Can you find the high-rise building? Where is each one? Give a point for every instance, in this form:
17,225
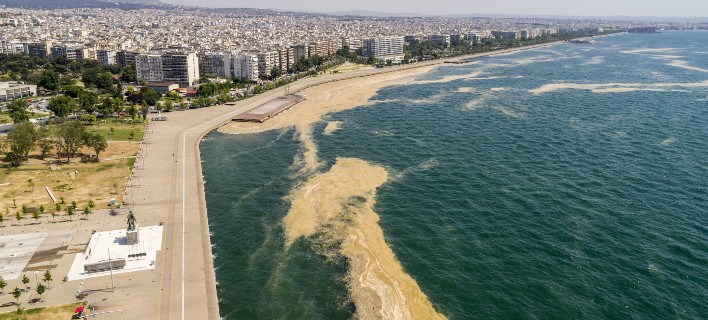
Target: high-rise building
69,52
41,50
215,63
384,48
106,57
266,61
11,47
441,39
246,66
299,51
169,67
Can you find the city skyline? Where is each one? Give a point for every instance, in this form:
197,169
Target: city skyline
601,8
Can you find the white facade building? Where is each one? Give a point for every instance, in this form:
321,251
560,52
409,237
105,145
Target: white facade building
170,67
384,48
246,66
14,89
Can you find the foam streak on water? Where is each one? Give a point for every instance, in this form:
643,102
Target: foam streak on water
522,186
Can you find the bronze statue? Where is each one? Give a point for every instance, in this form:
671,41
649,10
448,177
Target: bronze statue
131,221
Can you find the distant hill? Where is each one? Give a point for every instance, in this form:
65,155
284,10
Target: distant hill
369,13
70,4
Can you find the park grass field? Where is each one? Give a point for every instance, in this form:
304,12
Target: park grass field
61,312
75,181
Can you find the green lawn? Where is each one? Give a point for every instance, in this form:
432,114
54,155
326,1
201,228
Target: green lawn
122,134
49,313
5,116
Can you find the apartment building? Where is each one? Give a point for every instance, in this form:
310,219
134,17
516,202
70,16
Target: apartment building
384,48
12,47
287,58
441,39
69,52
41,50
245,66
106,57
299,51
266,61
215,63
474,37
353,44
169,67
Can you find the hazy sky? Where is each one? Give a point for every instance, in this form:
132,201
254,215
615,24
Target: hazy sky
663,8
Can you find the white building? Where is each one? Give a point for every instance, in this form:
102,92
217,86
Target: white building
246,66
384,48
14,89
12,47
106,57
266,61
169,67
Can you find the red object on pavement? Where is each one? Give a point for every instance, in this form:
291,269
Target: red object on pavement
79,309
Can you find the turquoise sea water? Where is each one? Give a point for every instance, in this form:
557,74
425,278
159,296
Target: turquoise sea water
502,203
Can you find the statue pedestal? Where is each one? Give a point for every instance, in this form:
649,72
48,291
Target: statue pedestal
132,236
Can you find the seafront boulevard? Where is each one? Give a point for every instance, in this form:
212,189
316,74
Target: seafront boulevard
166,188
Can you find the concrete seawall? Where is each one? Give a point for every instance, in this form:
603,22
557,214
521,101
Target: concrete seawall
181,135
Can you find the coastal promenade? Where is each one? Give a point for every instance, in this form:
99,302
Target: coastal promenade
166,188
172,192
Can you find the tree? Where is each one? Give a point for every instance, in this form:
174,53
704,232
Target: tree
72,90
40,290
70,211
47,276
30,184
18,217
90,76
25,280
150,96
106,106
91,204
70,137
144,109
2,218
20,141
96,142
128,74
87,101
132,111
49,80
18,110
17,293
35,215
3,284
86,211
41,208
206,90
44,139
61,105
104,81
275,72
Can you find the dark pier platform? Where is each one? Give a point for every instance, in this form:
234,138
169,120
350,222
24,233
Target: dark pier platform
268,110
